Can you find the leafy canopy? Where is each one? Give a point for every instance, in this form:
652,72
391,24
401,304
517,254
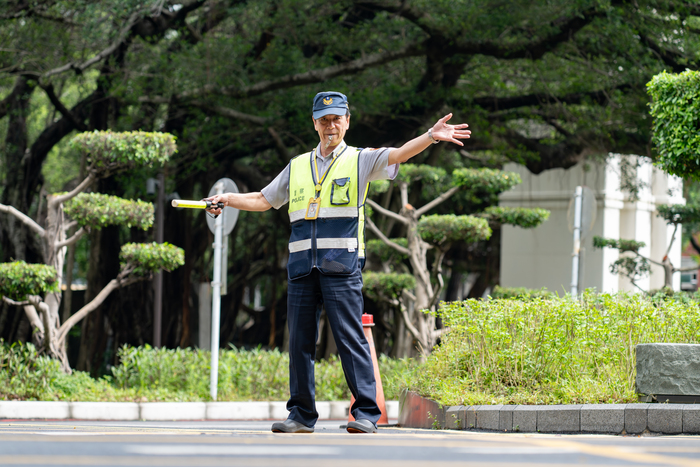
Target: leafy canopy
98,210
675,107
680,214
110,152
19,279
387,284
445,229
526,218
622,245
151,257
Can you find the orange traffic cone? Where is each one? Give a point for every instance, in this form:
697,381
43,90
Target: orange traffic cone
367,323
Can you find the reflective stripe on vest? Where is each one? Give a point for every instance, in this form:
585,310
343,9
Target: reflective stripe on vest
334,241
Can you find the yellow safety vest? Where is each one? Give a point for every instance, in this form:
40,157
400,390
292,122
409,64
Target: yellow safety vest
333,242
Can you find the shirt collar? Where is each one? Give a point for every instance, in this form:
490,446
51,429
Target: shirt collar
338,149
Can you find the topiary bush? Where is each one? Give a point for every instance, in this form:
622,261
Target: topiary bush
147,258
97,210
19,279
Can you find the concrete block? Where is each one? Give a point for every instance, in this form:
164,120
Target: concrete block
505,420
525,418
341,409
691,418
278,410
636,418
324,410
603,418
668,369
455,417
559,419
392,410
173,410
34,409
470,417
237,410
488,417
665,418
104,410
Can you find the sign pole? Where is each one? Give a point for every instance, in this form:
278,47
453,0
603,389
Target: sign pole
577,240
216,298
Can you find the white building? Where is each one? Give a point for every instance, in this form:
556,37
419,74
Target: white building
542,257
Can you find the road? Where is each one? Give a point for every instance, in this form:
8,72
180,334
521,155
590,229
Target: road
80,443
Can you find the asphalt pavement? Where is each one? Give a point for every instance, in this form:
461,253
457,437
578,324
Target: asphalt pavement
240,443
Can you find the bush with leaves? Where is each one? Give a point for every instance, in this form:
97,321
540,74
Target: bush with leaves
106,153
550,350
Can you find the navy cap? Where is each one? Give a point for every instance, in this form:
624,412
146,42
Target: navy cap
330,102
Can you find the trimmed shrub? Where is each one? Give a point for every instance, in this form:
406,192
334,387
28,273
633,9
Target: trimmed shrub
19,279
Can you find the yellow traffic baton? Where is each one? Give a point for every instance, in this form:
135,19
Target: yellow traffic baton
203,204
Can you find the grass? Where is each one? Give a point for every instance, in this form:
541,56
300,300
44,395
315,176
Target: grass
550,350
147,374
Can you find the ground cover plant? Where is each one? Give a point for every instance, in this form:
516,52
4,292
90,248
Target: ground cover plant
148,374
550,350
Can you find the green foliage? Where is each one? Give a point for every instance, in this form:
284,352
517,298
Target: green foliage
520,293
24,374
445,229
97,210
19,279
675,107
384,252
491,181
680,214
387,284
380,186
622,245
147,374
411,173
549,351
151,257
110,152
526,218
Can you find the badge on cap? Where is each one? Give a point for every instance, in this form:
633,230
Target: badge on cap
328,100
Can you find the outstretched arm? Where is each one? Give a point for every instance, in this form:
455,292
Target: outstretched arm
441,131
243,201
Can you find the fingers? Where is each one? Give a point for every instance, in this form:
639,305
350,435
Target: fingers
445,118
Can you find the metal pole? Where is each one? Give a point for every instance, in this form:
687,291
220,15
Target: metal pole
577,240
216,299
158,278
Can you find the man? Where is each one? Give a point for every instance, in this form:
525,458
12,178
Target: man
326,190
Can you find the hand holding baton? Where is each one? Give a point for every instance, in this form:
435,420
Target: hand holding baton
203,204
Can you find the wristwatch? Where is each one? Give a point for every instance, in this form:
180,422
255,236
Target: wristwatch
430,135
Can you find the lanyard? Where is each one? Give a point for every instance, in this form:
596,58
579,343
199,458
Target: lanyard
318,180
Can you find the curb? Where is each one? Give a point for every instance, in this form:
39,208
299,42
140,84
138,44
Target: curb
420,412
162,411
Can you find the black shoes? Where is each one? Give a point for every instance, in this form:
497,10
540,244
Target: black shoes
361,426
291,426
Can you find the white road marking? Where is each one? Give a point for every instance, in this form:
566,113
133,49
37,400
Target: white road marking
230,450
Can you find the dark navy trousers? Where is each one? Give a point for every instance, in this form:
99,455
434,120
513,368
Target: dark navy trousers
341,296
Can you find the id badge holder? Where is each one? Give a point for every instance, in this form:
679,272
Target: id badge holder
312,209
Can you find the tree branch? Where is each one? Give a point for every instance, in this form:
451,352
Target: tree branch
443,197
9,301
57,199
62,108
385,239
673,237
69,241
24,218
299,79
386,212
225,111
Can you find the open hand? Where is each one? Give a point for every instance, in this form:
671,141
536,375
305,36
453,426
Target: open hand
442,131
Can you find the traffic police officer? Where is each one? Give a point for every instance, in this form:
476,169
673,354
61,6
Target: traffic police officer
326,190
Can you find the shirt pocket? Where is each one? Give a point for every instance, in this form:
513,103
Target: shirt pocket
340,191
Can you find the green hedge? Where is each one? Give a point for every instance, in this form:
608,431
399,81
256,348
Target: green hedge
550,351
152,257
147,374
